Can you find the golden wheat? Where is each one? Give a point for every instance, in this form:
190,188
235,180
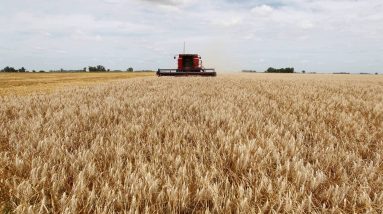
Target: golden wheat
245,143
27,83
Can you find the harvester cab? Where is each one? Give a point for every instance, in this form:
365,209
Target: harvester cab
188,65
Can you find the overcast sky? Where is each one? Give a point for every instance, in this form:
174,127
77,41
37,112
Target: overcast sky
231,35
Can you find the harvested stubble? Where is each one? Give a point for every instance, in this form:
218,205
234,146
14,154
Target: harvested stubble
283,143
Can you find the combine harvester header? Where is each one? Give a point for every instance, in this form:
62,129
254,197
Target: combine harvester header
188,65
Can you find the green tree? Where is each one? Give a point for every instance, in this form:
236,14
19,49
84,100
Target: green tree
9,69
98,68
281,70
22,69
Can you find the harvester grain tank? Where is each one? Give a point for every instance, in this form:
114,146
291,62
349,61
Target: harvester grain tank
188,65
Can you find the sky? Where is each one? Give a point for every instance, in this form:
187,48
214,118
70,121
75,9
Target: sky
230,35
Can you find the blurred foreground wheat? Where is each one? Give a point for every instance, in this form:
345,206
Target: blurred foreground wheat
248,143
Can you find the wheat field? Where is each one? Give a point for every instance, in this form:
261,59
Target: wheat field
27,83
230,144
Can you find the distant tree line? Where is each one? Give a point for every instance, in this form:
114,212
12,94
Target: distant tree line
291,70
341,73
280,70
98,68
11,69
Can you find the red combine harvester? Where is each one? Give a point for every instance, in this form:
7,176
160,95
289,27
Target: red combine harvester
188,65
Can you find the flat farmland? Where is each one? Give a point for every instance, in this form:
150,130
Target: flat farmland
243,143
26,83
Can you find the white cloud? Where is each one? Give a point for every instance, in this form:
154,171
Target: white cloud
227,21
306,24
263,10
170,2
83,36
